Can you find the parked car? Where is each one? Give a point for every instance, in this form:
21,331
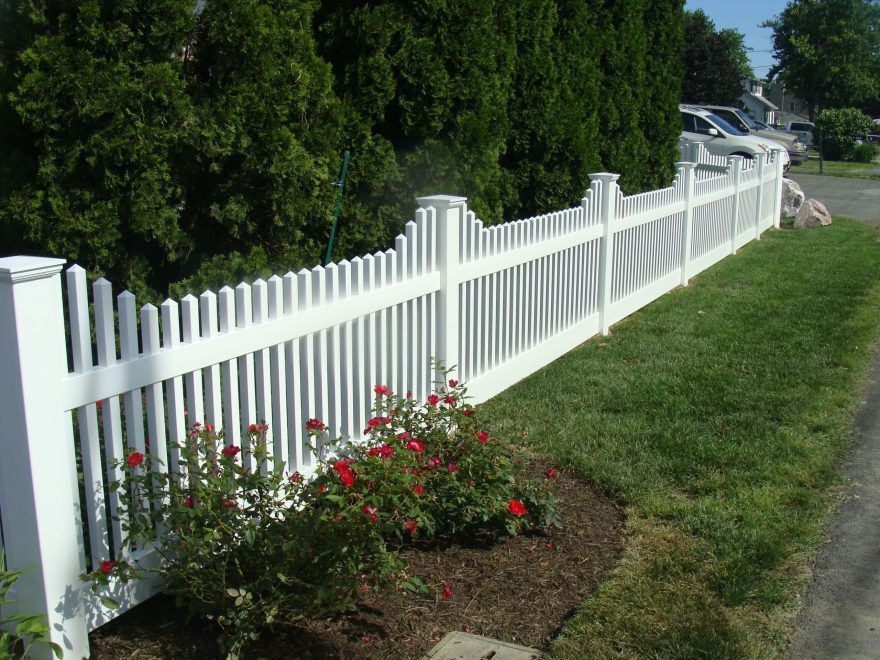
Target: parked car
722,139
796,147
801,129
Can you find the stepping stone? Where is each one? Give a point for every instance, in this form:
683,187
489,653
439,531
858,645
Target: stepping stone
464,646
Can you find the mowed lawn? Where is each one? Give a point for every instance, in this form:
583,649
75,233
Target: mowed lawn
719,414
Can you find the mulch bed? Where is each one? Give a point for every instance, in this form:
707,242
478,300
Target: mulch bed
521,590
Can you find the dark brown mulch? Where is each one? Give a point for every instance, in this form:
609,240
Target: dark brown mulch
521,591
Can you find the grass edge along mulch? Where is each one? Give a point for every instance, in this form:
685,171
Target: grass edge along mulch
720,414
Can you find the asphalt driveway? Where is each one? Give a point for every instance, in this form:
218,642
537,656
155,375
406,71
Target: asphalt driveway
845,197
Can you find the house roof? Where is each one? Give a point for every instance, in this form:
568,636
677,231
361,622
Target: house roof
762,100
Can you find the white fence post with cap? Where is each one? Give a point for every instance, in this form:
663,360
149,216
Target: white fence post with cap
608,192
38,487
450,212
759,203
735,163
686,179
777,200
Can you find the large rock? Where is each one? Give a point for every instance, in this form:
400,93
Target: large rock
792,198
812,214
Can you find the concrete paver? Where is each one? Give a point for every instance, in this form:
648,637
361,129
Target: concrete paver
464,646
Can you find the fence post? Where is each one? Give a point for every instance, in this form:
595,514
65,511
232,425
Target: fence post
735,163
760,203
687,180
608,192
777,188
38,482
450,213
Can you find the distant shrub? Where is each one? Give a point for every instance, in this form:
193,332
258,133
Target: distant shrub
838,128
865,153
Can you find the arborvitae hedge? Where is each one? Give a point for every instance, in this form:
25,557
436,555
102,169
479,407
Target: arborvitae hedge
160,142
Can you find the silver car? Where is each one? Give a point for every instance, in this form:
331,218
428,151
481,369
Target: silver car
796,146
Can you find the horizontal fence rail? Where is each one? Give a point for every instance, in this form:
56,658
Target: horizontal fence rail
89,375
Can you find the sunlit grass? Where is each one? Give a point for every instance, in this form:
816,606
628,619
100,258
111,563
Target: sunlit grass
720,415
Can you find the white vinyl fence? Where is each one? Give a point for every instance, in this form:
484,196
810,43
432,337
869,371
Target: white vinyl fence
498,302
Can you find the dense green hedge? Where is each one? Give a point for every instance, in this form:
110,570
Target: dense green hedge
157,144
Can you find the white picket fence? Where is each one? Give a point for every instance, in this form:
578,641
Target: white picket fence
498,302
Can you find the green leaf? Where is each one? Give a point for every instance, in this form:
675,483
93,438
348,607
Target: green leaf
109,603
232,592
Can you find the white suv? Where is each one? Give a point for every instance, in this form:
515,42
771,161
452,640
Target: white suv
722,139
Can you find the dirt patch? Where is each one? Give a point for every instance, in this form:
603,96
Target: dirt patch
521,590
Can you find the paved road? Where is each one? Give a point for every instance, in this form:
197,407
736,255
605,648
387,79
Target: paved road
841,613
849,198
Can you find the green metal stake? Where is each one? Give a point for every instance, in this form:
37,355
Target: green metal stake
341,184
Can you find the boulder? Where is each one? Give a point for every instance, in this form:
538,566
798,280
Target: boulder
812,214
792,198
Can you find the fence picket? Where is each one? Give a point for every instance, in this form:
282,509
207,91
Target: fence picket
229,369
87,418
247,404
278,430
175,399
111,414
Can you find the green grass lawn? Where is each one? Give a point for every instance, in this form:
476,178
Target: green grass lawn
838,168
720,415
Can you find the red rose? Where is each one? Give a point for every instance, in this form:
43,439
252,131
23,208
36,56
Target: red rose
370,512
99,404
516,508
409,394
347,478
415,445
382,451
322,488
452,382
252,428
433,399
230,504
449,400
483,437
434,461
106,567
209,427
135,459
295,478
188,503
552,473
467,412
418,490
382,390
315,425
447,591
231,451
410,525
403,435
452,467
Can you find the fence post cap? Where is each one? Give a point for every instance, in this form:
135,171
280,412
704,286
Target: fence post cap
604,177
440,201
685,165
24,269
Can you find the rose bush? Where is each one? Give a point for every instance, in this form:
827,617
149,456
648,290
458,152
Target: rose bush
429,469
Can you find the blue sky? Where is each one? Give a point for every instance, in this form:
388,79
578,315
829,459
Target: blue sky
745,16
